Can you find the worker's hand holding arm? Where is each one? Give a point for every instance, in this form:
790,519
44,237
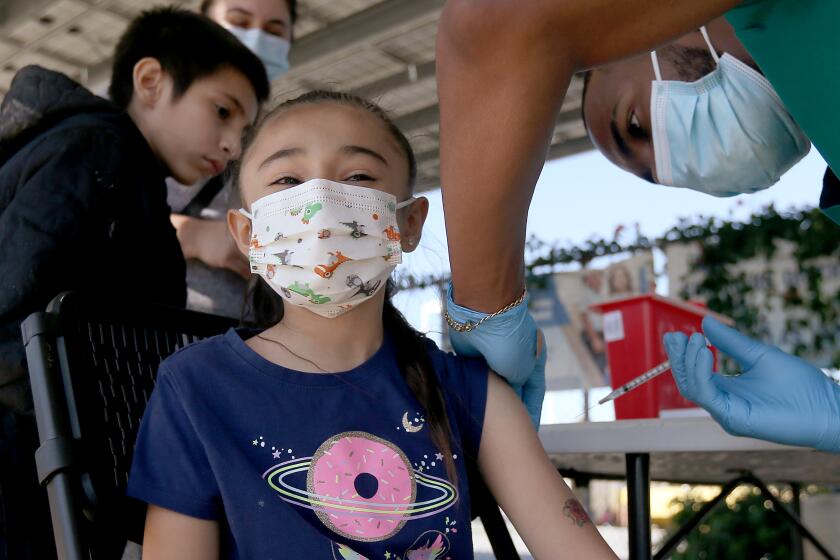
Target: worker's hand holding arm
503,69
778,397
510,342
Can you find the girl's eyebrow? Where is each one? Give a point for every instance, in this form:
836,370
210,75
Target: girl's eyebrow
279,154
353,150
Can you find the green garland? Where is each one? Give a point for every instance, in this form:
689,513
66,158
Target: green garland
722,244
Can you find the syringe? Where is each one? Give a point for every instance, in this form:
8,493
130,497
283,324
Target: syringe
641,380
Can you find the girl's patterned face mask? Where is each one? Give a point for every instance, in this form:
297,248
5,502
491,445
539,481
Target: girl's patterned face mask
324,245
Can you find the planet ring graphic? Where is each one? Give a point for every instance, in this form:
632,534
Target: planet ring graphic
276,479
360,486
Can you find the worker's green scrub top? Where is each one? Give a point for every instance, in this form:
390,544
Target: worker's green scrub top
796,43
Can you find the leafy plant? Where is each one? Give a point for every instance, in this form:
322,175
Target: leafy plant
747,528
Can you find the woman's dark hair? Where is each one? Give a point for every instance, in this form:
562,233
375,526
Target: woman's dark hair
412,347
188,47
204,8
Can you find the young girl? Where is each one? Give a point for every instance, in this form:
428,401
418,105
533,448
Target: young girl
339,432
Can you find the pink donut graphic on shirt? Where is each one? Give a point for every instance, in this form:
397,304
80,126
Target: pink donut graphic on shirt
373,474
361,487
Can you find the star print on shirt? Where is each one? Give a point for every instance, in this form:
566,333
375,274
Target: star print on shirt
255,442
439,456
276,454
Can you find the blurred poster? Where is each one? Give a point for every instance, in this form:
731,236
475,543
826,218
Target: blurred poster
574,333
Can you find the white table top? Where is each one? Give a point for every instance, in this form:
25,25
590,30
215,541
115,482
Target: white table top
683,450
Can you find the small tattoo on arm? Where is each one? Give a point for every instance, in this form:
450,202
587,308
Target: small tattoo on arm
574,511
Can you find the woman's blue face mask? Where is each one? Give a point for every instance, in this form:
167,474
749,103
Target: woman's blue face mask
273,51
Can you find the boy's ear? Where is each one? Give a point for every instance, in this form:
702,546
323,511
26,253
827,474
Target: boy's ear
411,223
148,79
240,229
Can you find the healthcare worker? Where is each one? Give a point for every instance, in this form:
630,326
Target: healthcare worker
698,114
503,69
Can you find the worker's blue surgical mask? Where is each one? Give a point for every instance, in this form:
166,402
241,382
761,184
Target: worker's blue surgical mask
273,51
725,134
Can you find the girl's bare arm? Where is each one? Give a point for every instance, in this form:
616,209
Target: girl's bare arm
529,489
171,535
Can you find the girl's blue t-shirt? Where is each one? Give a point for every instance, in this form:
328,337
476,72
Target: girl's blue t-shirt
303,465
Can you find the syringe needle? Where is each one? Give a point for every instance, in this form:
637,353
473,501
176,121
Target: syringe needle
638,382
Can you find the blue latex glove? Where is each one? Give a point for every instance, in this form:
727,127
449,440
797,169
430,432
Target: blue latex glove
533,392
509,343
778,397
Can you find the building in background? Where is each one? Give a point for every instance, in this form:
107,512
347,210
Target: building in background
777,293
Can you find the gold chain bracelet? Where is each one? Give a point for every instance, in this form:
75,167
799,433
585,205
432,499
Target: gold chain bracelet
470,326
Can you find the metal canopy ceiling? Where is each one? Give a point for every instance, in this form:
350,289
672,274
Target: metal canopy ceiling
380,49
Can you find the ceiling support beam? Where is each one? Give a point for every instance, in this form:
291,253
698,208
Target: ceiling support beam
397,80
359,29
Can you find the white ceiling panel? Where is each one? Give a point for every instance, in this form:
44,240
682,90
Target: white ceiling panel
416,45
334,10
47,62
391,61
133,7
53,17
6,49
410,98
305,25
6,79
354,69
90,40
424,141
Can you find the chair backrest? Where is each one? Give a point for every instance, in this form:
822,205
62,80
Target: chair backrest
92,365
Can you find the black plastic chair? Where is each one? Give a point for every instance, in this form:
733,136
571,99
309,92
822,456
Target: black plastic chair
92,367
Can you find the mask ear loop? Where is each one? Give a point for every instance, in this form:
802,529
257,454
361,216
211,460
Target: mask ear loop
246,214
656,69
404,203
709,44
655,59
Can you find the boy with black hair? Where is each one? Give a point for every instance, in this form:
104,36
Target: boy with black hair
217,273
83,200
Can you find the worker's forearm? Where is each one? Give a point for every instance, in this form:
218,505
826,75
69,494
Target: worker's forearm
596,32
498,105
